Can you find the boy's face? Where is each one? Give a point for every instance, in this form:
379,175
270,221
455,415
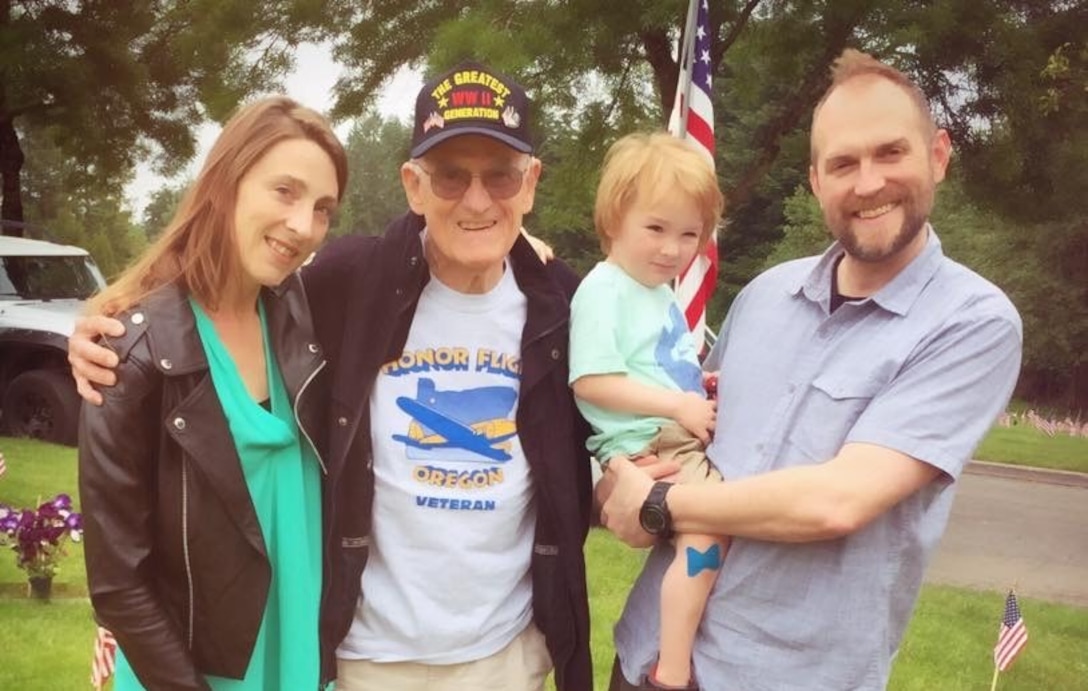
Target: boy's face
655,242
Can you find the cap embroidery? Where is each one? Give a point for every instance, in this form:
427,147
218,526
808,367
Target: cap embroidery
472,99
433,120
510,118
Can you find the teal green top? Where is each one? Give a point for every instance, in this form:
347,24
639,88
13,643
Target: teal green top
285,485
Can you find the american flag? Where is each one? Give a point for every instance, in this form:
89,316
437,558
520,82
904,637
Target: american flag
1012,635
105,651
3,466
693,118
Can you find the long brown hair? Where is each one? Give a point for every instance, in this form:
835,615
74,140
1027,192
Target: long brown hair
197,250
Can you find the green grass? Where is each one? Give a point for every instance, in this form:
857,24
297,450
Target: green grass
1025,445
46,646
948,645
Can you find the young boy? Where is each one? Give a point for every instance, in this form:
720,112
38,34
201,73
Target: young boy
633,364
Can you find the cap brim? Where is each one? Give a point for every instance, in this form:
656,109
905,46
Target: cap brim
434,140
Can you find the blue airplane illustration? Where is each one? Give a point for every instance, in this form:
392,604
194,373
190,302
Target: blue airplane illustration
435,426
685,374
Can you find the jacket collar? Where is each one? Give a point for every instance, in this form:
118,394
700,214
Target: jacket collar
173,341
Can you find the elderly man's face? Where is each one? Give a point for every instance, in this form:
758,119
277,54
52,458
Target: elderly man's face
473,192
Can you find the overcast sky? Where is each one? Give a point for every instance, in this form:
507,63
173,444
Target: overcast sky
311,84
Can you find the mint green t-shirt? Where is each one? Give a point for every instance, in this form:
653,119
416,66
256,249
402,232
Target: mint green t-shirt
619,326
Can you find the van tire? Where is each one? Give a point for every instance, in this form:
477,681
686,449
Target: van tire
42,404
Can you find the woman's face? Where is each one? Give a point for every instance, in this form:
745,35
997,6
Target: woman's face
283,208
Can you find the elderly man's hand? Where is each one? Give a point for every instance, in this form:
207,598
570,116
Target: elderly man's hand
93,364
622,490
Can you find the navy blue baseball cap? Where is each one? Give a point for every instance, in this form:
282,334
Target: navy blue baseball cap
471,98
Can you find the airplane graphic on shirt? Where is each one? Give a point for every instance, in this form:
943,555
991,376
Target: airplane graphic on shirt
672,346
447,424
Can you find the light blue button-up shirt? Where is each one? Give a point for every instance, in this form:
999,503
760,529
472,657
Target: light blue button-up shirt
923,366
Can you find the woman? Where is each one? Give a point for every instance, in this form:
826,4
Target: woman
199,479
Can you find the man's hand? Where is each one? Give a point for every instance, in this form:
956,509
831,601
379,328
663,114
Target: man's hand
93,364
625,481
696,414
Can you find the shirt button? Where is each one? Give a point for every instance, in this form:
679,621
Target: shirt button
166,364
555,353
412,261
179,423
137,318
399,292
312,347
342,421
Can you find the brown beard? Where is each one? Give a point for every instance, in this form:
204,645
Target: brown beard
915,215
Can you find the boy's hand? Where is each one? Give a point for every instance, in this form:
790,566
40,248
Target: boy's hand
696,414
93,364
710,383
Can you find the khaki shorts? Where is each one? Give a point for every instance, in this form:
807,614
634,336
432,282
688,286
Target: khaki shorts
522,665
673,442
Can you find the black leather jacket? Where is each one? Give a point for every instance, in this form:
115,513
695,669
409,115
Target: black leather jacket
363,294
176,564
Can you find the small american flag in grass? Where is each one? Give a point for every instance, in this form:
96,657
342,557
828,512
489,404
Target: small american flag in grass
103,658
1012,635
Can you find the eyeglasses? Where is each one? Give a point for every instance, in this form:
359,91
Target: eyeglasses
449,182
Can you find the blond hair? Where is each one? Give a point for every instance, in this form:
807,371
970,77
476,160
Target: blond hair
197,250
647,167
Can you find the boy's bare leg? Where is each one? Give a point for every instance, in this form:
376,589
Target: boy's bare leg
684,592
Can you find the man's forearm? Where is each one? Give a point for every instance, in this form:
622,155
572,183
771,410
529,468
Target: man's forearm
803,503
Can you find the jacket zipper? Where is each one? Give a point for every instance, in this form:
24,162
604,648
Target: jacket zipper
298,421
185,543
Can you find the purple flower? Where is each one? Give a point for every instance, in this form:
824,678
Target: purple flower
37,535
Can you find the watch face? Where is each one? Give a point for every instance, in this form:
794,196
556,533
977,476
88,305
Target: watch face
652,519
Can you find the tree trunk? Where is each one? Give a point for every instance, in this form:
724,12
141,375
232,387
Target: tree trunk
11,155
839,25
11,165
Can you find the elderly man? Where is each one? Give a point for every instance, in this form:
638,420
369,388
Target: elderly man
458,491
854,388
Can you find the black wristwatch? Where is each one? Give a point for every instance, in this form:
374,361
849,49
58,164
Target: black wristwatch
654,515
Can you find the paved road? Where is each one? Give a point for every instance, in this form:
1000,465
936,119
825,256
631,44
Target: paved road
1012,531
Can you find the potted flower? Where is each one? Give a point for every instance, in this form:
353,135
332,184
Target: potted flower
38,537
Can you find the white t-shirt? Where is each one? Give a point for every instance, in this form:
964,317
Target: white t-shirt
447,580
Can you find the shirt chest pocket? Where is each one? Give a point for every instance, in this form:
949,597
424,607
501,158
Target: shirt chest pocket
826,412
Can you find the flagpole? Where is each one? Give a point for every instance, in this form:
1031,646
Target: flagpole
687,57
993,684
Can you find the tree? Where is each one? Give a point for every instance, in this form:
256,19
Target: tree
120,82
66,203
161,207
1009,80
374,195
770,65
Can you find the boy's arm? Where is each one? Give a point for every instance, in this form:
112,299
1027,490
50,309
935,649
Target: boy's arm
625,394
